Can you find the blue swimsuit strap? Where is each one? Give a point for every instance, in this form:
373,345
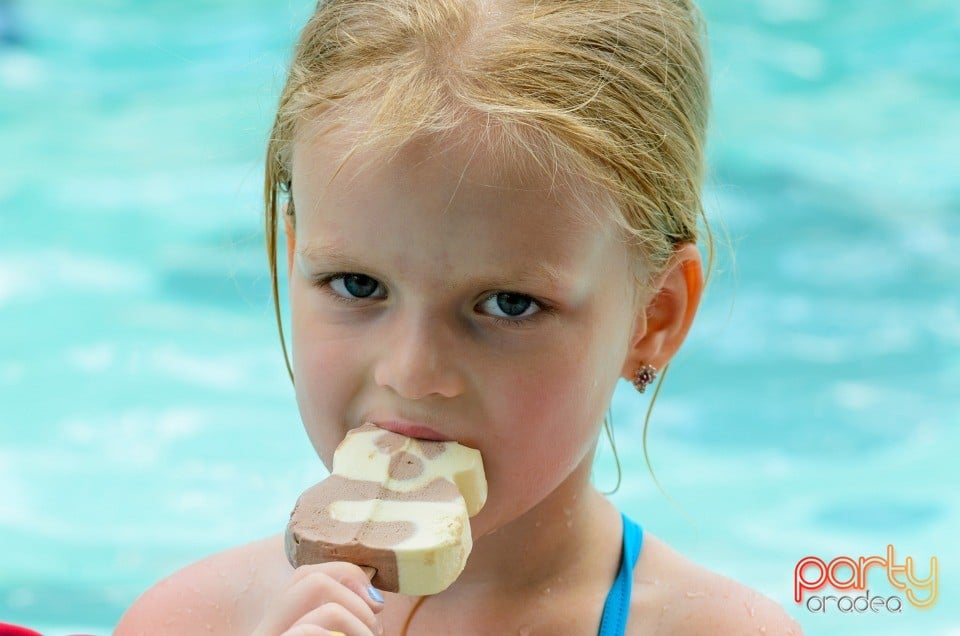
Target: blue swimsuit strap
617,605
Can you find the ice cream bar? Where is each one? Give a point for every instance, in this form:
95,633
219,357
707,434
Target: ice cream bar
393,503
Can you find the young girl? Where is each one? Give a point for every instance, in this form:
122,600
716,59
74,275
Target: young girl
491,216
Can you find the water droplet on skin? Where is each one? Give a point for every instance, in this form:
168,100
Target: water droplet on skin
750,610
569,523
524,630
763,630
567,511
696,594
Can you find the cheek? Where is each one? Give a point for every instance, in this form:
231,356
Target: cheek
323,382
564,388
319,351
550,413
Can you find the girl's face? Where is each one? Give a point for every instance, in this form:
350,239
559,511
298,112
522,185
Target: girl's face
426,290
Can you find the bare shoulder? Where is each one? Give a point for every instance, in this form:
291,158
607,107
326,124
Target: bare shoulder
221,594
673,595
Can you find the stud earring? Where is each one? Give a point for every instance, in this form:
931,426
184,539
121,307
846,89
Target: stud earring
644,376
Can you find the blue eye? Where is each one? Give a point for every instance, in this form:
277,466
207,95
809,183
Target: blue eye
349,288
510,305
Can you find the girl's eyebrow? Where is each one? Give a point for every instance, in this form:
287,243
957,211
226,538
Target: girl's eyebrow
539,273
319,251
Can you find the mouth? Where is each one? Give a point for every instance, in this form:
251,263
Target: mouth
411,429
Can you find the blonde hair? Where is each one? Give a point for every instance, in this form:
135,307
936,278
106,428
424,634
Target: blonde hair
610,93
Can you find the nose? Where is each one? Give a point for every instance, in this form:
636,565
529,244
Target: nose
419,360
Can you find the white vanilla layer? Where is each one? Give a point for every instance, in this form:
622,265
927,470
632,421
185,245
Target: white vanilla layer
436,553
360,459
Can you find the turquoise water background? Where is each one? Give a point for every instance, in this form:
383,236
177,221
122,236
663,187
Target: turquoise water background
145,415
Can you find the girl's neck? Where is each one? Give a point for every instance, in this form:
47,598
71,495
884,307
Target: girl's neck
559,538
563,554
549,542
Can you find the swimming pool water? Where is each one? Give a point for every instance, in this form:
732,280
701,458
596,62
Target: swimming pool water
145,415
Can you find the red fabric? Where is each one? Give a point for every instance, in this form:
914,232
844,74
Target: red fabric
6,629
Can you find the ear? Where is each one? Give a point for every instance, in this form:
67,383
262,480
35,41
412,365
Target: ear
663,323
291,239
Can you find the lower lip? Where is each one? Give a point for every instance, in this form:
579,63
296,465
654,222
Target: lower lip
412,430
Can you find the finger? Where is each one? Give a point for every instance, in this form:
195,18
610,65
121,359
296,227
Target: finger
337,618
314,587
310,630
351,576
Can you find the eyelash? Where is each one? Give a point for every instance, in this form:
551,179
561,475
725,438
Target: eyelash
324,284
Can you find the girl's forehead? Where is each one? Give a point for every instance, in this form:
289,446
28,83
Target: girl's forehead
328,148
328,163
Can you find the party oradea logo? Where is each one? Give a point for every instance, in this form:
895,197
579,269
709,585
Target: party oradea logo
813,576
